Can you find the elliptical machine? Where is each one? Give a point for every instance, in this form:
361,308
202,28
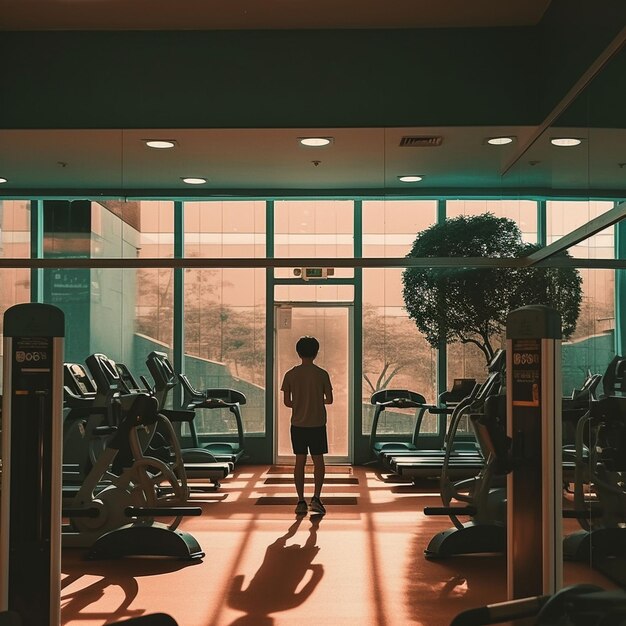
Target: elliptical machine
600,462
484,495
113,513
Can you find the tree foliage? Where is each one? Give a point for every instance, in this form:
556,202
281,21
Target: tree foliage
470,305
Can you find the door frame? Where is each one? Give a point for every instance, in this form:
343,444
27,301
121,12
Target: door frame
349,305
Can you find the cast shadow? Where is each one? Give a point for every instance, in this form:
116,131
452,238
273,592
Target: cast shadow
75,605
275,586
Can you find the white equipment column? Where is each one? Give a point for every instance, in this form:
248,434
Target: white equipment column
534,487
32,429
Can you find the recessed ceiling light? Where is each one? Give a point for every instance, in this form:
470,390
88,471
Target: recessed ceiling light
410,179
565,141
315,142
500,141
193,180
160,143
3,180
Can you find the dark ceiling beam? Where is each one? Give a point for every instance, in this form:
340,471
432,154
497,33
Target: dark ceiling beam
460,263
579,87
591,228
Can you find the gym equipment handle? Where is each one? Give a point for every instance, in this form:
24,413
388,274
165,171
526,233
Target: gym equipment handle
586,514
450,510
177,511
500,612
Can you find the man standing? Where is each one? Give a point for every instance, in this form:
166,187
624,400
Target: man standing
306,391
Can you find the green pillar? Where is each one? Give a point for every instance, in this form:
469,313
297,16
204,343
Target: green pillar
178,337
620,290
542,223
269,329
361,443
36,249
442,350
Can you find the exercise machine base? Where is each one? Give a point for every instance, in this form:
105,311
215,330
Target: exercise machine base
472,538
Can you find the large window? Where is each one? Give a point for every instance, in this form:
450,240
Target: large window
123,313
395,354
592,345
312,229
522,212
14,243
128,312
225,310
467,360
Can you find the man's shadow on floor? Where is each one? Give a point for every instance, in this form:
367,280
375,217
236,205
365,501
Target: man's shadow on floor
274,587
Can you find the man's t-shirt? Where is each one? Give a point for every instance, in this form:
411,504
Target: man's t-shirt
307,384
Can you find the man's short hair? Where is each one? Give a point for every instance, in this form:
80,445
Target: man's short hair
307,347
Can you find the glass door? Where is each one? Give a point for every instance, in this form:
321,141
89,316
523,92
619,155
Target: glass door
331,325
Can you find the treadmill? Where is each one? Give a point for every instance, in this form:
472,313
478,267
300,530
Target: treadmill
461,464
403,398
165,379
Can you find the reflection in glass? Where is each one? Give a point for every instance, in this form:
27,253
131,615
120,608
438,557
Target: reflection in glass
123,313
563,217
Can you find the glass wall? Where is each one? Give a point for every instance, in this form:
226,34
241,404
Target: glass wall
313,228
123,313
224,310
592,345
14,243
154,287
126,313
467,360
522,212
395,354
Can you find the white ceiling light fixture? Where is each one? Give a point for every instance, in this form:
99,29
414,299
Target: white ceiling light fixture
411,178
160,144
565,142
3,180
315,142
499,141
194,180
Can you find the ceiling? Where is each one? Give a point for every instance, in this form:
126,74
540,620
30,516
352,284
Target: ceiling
257,161
358,159
264,14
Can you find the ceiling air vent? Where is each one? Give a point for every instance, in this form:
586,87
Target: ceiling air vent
421,141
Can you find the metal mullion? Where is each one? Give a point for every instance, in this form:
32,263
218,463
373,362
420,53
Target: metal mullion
314,281
357,331
542,223
441,381
620,289
36,250
270,347
178,330
248,262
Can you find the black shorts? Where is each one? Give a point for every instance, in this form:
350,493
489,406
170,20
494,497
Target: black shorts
312,439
